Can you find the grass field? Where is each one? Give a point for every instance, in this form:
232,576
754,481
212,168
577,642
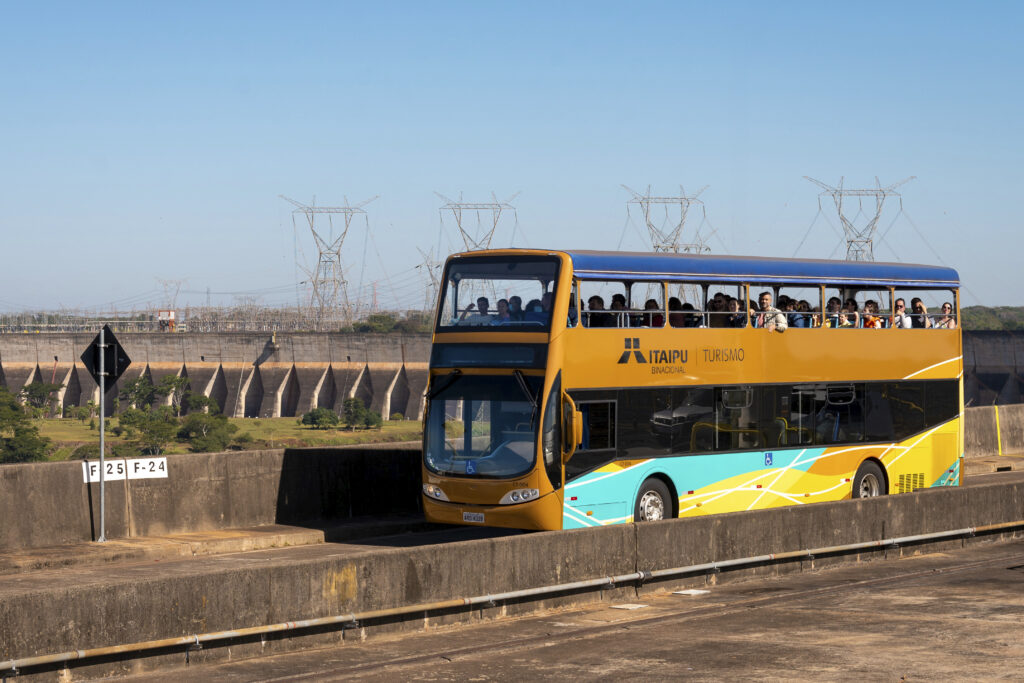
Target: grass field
278,432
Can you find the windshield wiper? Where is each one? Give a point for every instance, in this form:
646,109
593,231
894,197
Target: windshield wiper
445,383
521,379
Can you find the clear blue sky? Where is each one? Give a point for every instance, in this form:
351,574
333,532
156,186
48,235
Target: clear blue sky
145,140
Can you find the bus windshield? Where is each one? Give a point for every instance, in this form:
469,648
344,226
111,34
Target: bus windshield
498,292
483,425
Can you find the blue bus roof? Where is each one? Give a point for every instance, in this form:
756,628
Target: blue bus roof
612,265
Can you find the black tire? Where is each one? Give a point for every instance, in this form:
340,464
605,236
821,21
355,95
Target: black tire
869,481
653,502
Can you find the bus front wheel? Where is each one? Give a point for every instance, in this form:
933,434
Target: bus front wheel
869,482
653,502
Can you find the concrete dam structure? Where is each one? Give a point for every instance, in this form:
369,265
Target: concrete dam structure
265,375
246,374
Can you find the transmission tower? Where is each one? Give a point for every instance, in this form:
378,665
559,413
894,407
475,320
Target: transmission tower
432,268
482,235
670,239
171,289
330,293
860,241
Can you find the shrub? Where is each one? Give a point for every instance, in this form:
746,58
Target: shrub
207,433
397,416
372,420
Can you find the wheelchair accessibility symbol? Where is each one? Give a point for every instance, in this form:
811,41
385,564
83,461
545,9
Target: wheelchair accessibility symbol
470,467
767,459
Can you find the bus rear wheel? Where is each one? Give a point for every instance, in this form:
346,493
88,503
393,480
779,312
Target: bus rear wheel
869,481
653,502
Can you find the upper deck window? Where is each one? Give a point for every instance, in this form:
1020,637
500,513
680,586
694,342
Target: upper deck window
501,293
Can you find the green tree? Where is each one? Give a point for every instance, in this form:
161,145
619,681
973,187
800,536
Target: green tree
320,418
41,397
175,387
155,428
200,403
207,433
354,412
19,438
139,393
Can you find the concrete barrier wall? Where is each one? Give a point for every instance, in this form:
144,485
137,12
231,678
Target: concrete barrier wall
45,504
136,605
48,503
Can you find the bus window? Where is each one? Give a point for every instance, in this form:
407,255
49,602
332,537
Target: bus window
840,419
673,426
475,289
604,304
646,304
926,309
637,410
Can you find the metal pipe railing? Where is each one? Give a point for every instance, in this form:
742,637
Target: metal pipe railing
352,620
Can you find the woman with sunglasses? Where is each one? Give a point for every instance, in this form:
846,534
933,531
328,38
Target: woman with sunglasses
946,321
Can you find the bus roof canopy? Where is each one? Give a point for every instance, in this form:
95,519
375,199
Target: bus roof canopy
611,265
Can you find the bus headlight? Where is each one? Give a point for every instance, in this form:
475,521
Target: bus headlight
519,496
435,492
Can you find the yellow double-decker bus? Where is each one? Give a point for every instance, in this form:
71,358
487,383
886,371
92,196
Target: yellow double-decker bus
581,388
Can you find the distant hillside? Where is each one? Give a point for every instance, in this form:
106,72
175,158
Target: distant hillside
993,317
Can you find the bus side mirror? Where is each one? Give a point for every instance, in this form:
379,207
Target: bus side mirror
572,427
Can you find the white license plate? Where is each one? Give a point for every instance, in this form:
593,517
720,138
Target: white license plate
477,517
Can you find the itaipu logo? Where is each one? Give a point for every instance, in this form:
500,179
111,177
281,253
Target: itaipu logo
662,361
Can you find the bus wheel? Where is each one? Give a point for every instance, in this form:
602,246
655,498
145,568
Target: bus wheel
869,481
653,502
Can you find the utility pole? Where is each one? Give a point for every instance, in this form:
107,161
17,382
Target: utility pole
860,240
327,278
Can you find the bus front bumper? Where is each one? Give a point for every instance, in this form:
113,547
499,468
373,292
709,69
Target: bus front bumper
545,513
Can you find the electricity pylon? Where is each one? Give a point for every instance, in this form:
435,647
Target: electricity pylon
860,241
327,278
482,236
670,240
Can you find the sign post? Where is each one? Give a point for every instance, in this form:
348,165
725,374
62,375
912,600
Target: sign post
104,358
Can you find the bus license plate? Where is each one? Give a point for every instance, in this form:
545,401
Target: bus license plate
477,517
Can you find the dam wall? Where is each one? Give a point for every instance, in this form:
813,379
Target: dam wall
247,374
253,374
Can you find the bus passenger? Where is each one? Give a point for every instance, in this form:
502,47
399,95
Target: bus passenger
871,318
515,308
736,316
832,312
534,312
481,317
502,317
675,318
919,316
690,317
597,317
946,322
619,306
769,317
900,319
654,318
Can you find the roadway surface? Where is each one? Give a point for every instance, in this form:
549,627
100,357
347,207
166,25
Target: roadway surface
952,615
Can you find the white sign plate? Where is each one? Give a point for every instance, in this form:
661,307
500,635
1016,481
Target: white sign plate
118,470
477,517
